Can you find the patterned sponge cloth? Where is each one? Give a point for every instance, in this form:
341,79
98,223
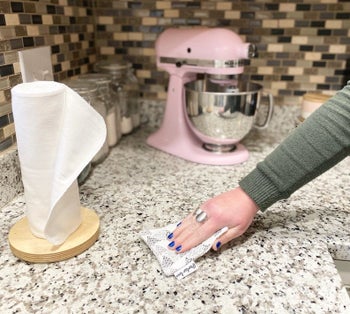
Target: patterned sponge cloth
172,263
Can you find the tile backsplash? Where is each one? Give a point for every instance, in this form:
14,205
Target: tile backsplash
303,45
66,26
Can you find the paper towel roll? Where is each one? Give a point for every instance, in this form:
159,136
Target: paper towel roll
58,133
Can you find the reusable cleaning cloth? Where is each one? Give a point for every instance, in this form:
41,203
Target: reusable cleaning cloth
172,263
58,133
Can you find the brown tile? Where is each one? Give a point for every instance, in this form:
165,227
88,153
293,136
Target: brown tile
2,136
5,7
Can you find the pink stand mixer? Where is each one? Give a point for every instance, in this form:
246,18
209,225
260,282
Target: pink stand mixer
218,54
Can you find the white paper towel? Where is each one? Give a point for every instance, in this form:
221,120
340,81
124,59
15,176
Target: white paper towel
58,133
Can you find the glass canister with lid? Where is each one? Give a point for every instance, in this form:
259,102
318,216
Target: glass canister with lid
89,92
113,119
125,84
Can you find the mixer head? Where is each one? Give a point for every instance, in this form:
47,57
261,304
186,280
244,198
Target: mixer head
215,51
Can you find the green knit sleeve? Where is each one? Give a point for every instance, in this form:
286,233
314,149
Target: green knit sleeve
319,143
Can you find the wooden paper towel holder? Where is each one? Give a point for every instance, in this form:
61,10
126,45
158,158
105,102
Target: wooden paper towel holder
30,248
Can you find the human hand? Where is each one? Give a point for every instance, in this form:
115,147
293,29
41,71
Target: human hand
234,209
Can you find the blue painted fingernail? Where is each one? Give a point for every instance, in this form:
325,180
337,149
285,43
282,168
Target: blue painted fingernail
170,236
218,244
178,248
171,244
179,224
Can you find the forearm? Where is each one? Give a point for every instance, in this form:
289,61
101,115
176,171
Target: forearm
319,143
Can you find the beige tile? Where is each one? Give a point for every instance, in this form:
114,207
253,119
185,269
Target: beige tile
84,45
107,51
68,11
295,71
265,70
4,83
58,39
2,96
84,68
74,38
5,108
300,40
33,30
105,20
171,13
224,5
7,33
308,31
275,48
334,24
16,67
11,57
318,79
81,11
12,19
232,15
47,19
314,56
149,21
201,14
149,51
135,36
90,28
143,73
163,5
278,85
337,49
270,23
120,36
287,7
286,23
9,130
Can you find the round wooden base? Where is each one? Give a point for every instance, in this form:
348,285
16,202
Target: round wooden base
30,248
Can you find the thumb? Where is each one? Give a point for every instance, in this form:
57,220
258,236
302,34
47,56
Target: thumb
227,237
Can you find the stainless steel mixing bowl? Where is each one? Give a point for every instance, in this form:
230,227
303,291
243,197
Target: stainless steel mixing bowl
222,112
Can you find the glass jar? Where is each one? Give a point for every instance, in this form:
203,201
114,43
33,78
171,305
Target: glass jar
125,84
89,92
113,120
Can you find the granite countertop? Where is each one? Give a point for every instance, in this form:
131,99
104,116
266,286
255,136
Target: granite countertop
282,264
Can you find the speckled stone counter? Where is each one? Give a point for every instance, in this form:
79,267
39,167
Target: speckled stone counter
10,176
282,264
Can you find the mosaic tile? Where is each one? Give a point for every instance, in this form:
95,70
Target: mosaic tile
2,19
5,7
6,70
17,6
288,34
29,7
4,121
5,144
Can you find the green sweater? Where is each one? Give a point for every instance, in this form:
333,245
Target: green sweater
315,146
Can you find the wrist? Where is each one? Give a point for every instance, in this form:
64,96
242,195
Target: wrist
246,201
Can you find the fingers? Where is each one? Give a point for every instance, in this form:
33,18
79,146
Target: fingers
193,236
227,237
191,233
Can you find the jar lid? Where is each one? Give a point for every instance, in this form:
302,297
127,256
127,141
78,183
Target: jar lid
112,67
81,87
97,78
316,97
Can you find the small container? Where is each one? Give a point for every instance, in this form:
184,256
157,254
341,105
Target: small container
125,84
312,101
89,91
103,82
